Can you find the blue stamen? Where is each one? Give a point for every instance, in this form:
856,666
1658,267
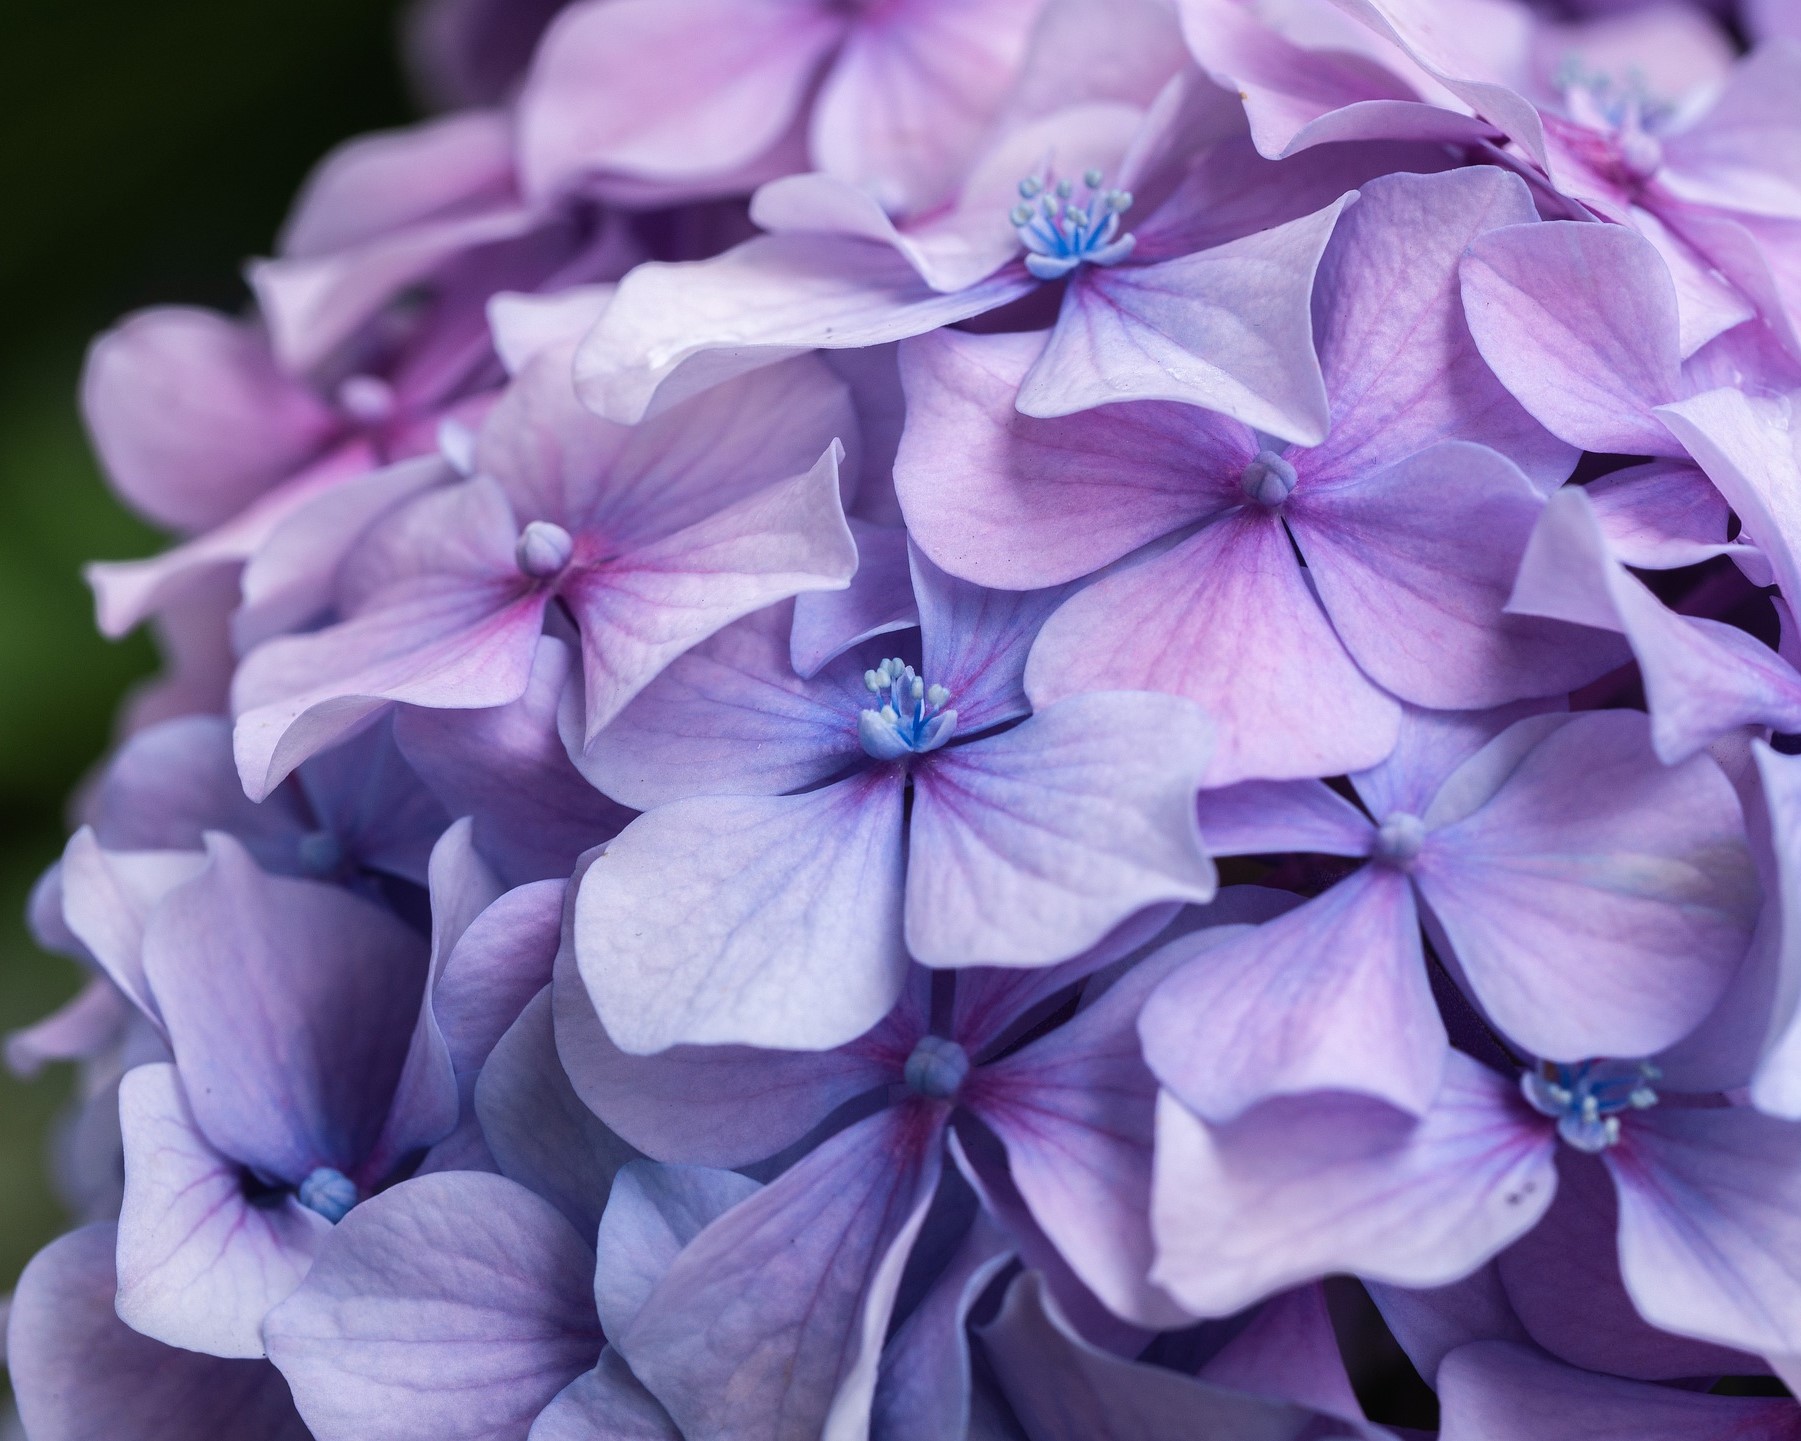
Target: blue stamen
1588,1099
937,1068
1060,233
1269,479
331,1193
912,719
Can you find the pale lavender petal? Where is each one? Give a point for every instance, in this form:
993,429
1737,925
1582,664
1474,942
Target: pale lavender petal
1702,678
923,1391
453,1307
538,1130
1288,1352
912,94
675,330
766,921
609,1401
652,1214
200,1263
108,899
975,641
1242,636
1494,1391
679,90
508,768
1064,1389
1746,447
878,601
1601,901
288,1005
1708,1228
641,612
1433,747
1028,847
631,485
1008,500
1076,1112
1332,996
1562,1280
1579,321
1303,1187
1229,328
730,716
77,1369
1266,817
1662,515
770,1322
192,418
1437,538
1401,367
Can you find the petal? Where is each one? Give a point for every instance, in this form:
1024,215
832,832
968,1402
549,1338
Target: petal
1008,500
1600,902
675,330
1263,817
454,1306
643,610
914,91
1063,1388
1661,516
1708,1227
1401,367
288,1005
731,717
1076,1111
666,90
1302,1187
508,768
770,1322
1437,539
974,641
192,418
706,1105
1702,679
1332,996
651,1216
1494,1391
1241,635
1562,1279
536,1127
1229,328
108,899
1029,846
1288,1352
453,624
608,1401
632,485
199,1263
1748,451
764,921
76,1368
1433,746
1579,321
878,601
924,1390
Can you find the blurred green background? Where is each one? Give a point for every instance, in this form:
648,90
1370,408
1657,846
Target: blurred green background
145,151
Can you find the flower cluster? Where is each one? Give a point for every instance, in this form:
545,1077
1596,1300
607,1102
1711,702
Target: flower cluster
883,715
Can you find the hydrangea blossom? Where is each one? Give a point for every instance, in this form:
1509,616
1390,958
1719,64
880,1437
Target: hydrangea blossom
893,720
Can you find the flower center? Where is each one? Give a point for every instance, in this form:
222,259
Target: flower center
1625,110
1268,480
1061,232
543,550
1399,839
331,1193
911,719
1586,1100
320,854
937,1068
